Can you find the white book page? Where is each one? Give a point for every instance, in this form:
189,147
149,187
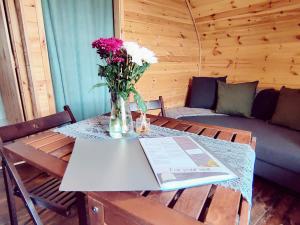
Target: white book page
178,162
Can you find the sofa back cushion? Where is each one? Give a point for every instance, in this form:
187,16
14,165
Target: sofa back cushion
264,104
236,99
287,112
204,92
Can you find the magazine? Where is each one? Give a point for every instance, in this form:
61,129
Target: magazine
180,162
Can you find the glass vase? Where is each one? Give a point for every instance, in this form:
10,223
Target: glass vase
121,124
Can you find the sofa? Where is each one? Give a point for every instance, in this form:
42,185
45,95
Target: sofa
277,147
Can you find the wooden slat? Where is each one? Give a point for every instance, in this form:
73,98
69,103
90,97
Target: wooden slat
127,208
66,157
171,124
46,141
39,159
224,207
226,136
243,139
153,119
182,127
65,150
40,136
163,197
195,129
57,144
209,132
160,122
192,200
244,214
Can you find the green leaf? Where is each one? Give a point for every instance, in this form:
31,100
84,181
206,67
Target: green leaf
139,100
98,85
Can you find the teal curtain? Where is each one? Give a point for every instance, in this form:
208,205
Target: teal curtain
2,113
71,26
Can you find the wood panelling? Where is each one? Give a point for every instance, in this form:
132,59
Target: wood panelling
250,40
8,79
166,27
19,57
36,55
28,44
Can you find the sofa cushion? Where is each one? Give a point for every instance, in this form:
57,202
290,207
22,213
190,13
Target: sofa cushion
236,99
276,145
287,111
264,104
204,92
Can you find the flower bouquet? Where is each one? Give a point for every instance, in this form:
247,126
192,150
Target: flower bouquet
122,65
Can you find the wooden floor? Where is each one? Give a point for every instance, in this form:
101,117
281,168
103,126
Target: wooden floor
272,205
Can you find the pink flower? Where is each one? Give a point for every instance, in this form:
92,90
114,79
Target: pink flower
107,45
117,59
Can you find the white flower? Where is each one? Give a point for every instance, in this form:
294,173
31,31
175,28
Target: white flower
139,54
133,49
148,55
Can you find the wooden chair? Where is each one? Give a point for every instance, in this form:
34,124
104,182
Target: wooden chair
10,175
151,105
45,192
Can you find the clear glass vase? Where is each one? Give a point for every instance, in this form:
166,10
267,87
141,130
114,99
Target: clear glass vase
121,124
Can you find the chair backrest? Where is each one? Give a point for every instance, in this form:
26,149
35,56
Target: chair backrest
10,174
23,129
151,105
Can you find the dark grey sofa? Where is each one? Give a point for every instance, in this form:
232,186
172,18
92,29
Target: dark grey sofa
277,149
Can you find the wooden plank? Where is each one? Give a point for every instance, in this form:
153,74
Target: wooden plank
163,197
57,144
160,122
46,141
66,157
243,139
18,52
39,159
182,127
244,214
124,208
226,136
209,132
195,129
36,57
39,136
192,200
224,207
171,124
63,151
9,89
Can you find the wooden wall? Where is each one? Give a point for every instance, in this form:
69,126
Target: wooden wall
164,26
250,40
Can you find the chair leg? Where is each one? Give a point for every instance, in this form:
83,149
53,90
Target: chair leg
81,208
10,196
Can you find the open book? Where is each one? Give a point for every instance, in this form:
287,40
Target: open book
180,162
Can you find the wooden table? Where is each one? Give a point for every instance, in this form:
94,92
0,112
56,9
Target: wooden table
210,204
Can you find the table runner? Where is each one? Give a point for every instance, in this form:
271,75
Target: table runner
237,157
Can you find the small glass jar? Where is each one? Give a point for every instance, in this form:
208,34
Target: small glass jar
142,125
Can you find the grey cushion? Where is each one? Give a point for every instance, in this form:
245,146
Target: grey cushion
276,145
236,99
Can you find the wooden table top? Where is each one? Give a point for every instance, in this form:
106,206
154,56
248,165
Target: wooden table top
210,204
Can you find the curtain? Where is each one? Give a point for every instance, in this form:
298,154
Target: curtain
71,26
2,113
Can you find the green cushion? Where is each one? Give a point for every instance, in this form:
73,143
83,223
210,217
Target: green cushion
287,112
236,99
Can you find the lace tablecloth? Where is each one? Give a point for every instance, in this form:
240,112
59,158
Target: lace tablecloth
237,157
